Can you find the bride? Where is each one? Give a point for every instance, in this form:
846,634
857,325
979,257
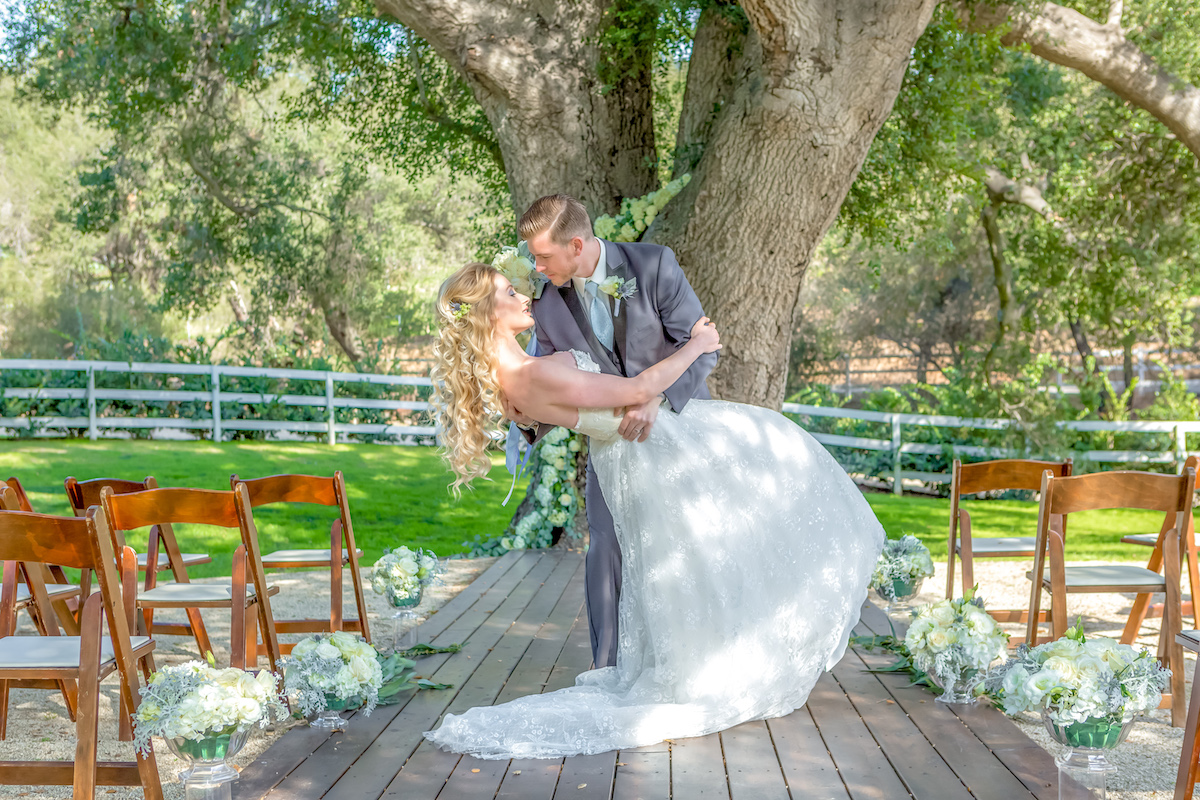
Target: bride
747,550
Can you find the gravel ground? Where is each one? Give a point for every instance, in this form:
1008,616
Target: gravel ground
40,729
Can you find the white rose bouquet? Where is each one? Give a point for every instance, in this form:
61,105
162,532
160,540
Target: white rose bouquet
197,701
954,641
340,667
1076,680
516,264
401,573
902,565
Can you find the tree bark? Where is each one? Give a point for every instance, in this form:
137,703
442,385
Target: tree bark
341,328
1099,50
535,68
811,86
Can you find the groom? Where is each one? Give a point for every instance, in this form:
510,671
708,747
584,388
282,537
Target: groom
644,312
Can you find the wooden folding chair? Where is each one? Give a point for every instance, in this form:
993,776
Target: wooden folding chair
342,551
162,553
1169,494
1141,606
992,476
82,544
63,593
247,591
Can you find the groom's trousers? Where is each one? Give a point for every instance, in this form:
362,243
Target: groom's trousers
602,574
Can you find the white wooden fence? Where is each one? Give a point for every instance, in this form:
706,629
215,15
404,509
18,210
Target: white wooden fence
1175,453
216,425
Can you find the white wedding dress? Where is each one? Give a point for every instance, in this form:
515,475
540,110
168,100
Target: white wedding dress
746,557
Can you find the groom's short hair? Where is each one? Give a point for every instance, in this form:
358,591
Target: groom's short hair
560,214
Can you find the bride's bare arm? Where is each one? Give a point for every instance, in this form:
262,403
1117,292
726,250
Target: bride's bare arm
555,382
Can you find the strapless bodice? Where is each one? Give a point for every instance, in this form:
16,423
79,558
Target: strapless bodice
600,424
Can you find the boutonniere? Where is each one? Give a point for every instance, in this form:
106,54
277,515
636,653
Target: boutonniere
618,289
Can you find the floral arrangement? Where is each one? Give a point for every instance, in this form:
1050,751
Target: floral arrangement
636,214
340,665
196,701
954,637
902,563
1077,679
401,572
517,265
556,500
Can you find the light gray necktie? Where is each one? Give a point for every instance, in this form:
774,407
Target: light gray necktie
601,319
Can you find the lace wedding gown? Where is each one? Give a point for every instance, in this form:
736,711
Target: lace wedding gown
746,556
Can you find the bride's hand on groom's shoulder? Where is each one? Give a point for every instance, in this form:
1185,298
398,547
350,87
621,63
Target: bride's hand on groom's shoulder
704,333
514,414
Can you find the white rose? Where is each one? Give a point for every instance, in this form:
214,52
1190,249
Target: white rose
327,650
304,646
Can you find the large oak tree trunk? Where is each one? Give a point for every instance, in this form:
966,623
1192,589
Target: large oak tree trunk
813,85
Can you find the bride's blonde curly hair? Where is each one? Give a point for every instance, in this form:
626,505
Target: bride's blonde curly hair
466,391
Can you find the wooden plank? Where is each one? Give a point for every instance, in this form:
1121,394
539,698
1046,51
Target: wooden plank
805,761
750,761
423,776
533,671
373,772
475,779
299,744
576,655
863,765
587,778
957,744
697,769
916,761
530,779
643,774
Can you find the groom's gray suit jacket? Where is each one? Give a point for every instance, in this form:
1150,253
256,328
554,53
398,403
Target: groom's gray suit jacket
648,327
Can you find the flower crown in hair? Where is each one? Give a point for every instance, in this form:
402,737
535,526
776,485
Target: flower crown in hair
460,310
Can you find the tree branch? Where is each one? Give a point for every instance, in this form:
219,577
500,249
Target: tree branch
1001,188
1100,51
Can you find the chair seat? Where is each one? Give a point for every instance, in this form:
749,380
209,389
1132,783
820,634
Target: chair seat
55,652
1001,546
1083,577
53,590
303,558
164,559
194,594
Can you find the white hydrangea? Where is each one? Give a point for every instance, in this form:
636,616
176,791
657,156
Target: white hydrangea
1076,679
952,636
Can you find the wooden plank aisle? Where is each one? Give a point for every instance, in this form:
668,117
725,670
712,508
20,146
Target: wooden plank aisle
524,629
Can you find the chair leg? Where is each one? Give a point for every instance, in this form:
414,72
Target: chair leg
359,600
1193,569
1173,623
1189,758
237,610
87,725
199,631
252,649
1058,586
3,709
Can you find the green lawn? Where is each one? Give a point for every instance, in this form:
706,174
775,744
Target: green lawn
398,495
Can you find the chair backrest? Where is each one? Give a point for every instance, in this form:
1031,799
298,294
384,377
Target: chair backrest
81,542
305,489
292,489
85,494
21,497
1150,491
1003,474
232,509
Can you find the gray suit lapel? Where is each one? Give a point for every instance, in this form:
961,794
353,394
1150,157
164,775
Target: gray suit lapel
618,266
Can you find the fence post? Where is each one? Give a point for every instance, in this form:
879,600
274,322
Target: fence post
93,433
329,407
1180,447
215,382
896,487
